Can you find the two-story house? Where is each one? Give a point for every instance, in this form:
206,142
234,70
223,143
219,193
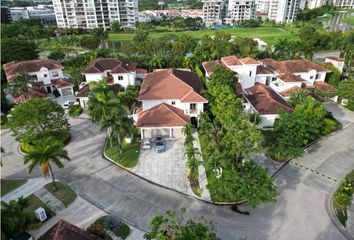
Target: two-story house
170,99
116,71
45,78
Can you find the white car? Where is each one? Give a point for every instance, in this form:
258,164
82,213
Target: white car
147,144
67,104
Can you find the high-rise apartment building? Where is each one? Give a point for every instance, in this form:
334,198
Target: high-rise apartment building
262,6
240,10
41,12
343,3
214,11
89,14
284,11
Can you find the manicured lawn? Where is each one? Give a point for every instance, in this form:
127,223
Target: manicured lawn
268,34
10,185
129,157
64,193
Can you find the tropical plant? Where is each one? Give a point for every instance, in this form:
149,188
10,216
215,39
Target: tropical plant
19,85
100,34
43,154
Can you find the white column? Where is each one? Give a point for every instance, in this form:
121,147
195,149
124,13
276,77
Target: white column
171,133
142,133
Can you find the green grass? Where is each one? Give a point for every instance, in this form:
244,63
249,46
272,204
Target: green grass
10,185
123,231
64,193
268,34
4,122
349,20
33,203
129,157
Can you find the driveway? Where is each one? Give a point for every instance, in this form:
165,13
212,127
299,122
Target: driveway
299,213
344,116
167,168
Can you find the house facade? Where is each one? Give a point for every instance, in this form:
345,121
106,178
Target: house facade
45,78
116,71
266,84
170,99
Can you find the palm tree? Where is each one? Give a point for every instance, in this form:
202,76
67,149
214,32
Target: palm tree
157,61
45,153
100,34
20,84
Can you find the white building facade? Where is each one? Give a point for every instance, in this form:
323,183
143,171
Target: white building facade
262,6
214,11
93,14
284,11
43,13
240,10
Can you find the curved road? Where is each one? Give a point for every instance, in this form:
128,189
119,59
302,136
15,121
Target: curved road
300,212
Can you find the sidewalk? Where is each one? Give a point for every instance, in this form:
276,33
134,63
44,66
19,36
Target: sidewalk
31,186
203,180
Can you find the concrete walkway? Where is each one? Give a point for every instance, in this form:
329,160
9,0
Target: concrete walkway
31,186
203,180
350,221
45,196
81,213
340,113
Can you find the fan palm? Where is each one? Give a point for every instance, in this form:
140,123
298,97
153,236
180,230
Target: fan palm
45,153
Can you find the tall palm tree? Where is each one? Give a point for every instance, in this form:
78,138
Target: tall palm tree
100,34
45,153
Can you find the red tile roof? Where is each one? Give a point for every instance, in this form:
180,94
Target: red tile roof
61,83
64,230
162,115
172,84
291,78
248,60
29,66
32,92
231,60
141,71
292,66
325,87
83,92
265,100
338,59
287,92
115,65
209,66
263,70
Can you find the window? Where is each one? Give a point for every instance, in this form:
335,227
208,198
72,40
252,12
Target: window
318,76
45,75
311,77
250,73
55,74
120,77
193,106
173,103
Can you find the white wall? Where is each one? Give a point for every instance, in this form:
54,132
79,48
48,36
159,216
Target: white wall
93,77
128,79
268,120
44,75
336,64
243,72
312,73
282,86
147,104
83,102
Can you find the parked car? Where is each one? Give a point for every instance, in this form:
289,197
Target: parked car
147,144
159,144
67,104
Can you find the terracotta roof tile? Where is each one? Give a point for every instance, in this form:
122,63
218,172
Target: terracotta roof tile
29,66
248,60
83,92
141,71
292,66
231,60
170,84
61,83
64,230
291,78
162,115
325,86
263,70
265,100
115,65
287,92
32,92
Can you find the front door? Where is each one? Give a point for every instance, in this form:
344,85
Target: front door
49,89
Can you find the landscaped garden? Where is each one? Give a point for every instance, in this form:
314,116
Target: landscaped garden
342,198
8,185
108,226
75,110
129,156
63,193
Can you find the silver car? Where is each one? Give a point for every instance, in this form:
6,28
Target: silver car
147,144
159,144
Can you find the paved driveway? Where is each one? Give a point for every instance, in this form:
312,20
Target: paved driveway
167,168
300,212
344,116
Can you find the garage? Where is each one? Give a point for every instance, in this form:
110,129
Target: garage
66,92
175,132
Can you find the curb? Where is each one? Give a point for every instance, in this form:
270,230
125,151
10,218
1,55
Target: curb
332,215
162,186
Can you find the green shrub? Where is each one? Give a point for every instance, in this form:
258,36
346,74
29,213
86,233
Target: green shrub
330,125
75,111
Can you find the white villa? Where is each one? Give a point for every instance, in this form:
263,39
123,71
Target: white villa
46,78
119,72
170,99
265,84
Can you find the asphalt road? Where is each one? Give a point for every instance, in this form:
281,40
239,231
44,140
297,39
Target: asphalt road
299,213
